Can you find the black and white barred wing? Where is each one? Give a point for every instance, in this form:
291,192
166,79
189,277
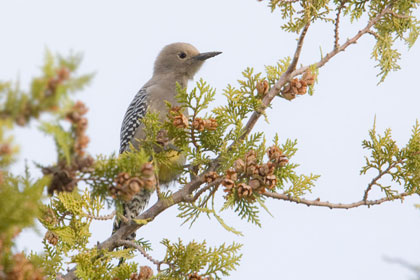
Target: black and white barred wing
132,119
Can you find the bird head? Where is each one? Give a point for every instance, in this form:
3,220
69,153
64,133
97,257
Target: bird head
181,59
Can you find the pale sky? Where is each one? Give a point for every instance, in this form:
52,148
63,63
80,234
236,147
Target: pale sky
120,41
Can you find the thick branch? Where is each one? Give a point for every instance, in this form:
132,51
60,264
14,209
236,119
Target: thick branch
161,205
330,205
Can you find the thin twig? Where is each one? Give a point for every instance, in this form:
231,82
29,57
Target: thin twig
211,194
330,205
398,15
103,217
124,219
65,214
414,268
375,180
142,251
374,34
337,25
202,190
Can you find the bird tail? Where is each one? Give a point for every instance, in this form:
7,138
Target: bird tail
131,210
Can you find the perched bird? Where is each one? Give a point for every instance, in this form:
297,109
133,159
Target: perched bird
176,63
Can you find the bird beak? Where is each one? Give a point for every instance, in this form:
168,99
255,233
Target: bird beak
206,55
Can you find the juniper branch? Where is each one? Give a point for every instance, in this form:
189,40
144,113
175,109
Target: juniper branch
103,217
337,25
398,15
184,194
330,205
202,190
275,90
379,176
351,41
374,34
131,244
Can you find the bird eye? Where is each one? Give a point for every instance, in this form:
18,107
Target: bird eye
182,55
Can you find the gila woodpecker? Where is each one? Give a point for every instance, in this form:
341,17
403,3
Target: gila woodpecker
176,63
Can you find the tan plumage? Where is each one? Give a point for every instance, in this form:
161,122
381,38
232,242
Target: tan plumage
176,63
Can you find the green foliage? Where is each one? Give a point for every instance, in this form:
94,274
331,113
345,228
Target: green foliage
50,260
95,265
274,72
401,164
123,271
20,198
197,258
7,148
314,70
191,211
198,99
289,181
165,157
245,209
68,217
240,103
24,192
298,13
411,168
206,143
145,244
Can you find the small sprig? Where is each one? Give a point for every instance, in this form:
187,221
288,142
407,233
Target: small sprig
196,259
401,164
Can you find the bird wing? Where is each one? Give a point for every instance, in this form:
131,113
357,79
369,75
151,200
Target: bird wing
132,119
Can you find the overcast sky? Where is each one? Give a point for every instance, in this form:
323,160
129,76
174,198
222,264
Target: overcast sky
120,40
